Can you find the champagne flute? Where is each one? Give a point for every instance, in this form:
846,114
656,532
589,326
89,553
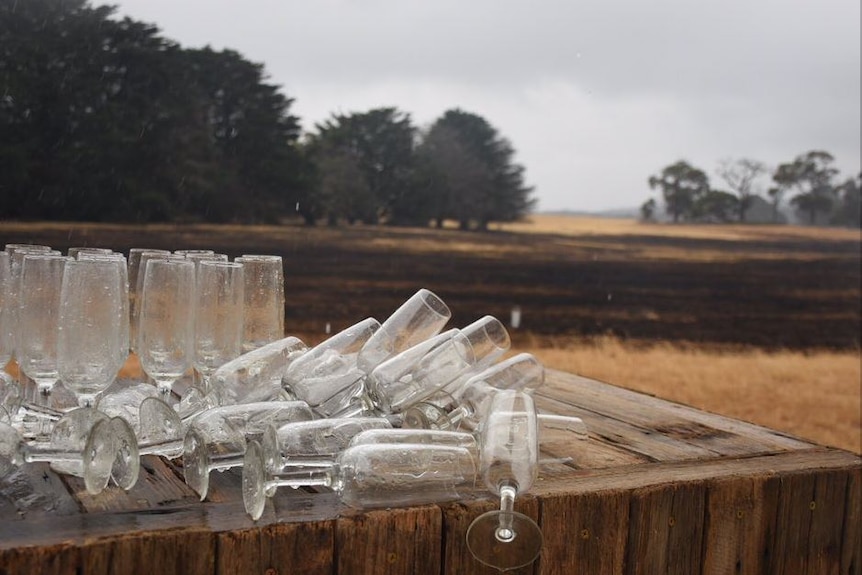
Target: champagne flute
138,258
509,460
91,301
420,317
328,370
255,374
166,328
263,293
88,345
371,475
464,407
469,349
124,312
38,318
136,264
71,452
218,316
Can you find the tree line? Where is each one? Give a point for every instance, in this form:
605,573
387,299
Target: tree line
816,192
104,119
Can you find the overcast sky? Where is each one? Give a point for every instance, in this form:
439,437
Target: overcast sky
595,95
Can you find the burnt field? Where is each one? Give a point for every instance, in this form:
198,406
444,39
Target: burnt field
771,289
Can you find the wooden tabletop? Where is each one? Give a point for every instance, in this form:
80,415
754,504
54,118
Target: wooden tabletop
659,487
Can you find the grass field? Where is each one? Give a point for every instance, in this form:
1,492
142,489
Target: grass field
760,323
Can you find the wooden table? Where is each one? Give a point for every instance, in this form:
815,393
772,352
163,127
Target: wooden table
658,488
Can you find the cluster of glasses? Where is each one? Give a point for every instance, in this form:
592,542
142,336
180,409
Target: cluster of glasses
385,414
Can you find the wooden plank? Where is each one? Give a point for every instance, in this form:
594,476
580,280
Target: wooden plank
585,534
666,529
61,559
736,527
817,460
391,541
851,541
827,522
637,440
191,552
157,486
722,434
594,453
792,524
280,548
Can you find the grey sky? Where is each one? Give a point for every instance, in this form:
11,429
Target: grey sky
594,95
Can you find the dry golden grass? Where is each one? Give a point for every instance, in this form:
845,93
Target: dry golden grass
586,226
817,396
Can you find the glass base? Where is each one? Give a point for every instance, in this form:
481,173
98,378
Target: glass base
504,540
253,477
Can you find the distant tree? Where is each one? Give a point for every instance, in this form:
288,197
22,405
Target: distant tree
741,176
473,173
716,206
811,175
681,185
776,193
850,200
648,210
254,136
104,119
381,143
343,190
451,179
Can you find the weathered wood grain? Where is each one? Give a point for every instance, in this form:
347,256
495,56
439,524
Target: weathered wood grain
585,534
735,527
390,541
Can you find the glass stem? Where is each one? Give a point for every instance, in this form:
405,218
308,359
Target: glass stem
300,462
171,448
50,454
505,533
225,461
297,479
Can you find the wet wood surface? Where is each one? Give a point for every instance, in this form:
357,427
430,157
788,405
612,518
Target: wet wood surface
658,488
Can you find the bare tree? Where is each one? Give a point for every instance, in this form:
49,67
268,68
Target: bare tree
741,176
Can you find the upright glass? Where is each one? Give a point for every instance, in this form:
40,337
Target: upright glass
166,329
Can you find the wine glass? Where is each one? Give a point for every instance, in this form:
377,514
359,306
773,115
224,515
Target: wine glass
89,339
218,316
263,307
420,317
72,452
257,373
370,475
124,312
470,348
508,463
216,439
136,263
466,404
166,328
313,443
329,369
38,316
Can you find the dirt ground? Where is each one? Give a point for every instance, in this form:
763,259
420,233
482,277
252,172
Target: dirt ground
777,290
